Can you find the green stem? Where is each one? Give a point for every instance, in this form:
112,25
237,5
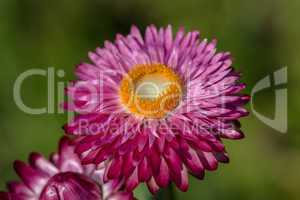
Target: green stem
166,194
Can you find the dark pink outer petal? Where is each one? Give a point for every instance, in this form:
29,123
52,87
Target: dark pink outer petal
71,186
20,189
33,179
121,196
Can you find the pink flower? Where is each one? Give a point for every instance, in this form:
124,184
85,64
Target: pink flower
156,108
63,177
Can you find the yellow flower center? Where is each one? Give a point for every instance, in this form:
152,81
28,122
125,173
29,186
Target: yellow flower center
150,91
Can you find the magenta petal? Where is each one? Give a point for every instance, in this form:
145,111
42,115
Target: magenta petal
232,134
144,171
42,164
128,166
68,160
87,71
71,186
92,156
201,145
168,38
115,168
154,160
173,161
217,146
136,34
163,178
34,179
121,196
141,141
132,181
222,157
101,155
184,184
152,186
194,164
19,188
208,160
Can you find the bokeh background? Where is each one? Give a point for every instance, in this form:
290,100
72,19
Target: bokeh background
263,36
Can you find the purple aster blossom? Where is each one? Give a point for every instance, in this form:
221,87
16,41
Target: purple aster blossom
156,107
61,177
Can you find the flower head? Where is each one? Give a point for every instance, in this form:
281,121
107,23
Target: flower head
63,177
155,108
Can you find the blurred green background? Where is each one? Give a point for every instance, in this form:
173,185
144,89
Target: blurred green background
263,36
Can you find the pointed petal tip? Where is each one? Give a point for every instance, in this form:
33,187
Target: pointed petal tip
18,165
